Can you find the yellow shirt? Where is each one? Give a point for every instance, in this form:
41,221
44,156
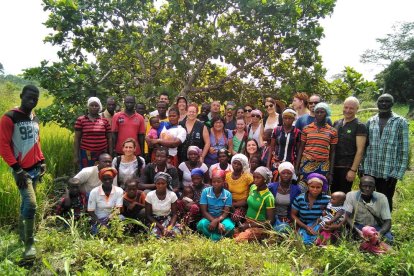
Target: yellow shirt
239,188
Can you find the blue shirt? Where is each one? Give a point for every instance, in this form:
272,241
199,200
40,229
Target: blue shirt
307,119
215,205
308,215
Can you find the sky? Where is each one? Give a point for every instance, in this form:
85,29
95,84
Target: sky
352,28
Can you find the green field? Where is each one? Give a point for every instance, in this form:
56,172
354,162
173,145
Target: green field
76,252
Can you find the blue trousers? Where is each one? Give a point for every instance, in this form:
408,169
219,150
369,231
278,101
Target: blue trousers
28,195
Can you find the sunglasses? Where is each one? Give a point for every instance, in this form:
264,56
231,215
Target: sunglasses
248,110
257,116
270,105
314,103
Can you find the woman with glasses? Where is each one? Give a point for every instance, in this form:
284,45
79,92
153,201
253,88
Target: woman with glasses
248,108
273,118
255,129
220,138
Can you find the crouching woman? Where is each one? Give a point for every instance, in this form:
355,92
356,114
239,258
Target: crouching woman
105,201
215,203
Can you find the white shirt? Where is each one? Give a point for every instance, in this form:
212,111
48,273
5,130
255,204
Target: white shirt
187,173
174,132
89,178
101,204
155,113
216,166
161,207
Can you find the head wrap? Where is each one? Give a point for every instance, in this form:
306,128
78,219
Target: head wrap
289,111
165,176
265,172
318,178
197,171
257,112
242,159
195,149
95,100
107,171
218,173
286,166
324,106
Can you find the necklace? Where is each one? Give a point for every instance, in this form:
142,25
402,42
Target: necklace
284,190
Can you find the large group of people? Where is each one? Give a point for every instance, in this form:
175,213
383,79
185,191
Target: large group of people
241,175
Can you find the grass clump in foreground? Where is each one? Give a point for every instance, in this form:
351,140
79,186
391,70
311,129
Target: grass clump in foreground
75,251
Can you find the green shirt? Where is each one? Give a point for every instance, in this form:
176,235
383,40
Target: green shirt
258,203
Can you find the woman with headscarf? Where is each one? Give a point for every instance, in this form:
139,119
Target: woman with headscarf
189,208
238,182
215,204
284,193
255,129
260,214
309,206
161,207
92,135
104,199
185,168
317,149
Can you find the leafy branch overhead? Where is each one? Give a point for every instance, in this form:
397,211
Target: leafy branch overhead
197,48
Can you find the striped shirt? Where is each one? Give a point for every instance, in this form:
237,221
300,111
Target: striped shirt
309,214
286,143
387,154
93,133
318,141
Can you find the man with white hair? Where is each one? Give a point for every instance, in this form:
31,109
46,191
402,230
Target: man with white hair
386,157
352,136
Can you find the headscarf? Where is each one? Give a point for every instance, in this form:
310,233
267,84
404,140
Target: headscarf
257,112
193,148
318,178
242,159
107,171
265,172
165,176
95,100
286,166
218,173
289,112
324,106
197,171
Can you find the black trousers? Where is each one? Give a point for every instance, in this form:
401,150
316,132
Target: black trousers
386,187
339,182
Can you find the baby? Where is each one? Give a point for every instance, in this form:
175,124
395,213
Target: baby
372,241
335,212
188,196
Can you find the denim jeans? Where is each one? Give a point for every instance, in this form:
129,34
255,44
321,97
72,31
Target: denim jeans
28,195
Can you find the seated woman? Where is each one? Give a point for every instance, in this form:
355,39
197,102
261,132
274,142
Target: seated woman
147,181
161,207
239,182
215,203
223,157
260,214
105,201
284,192
309,206
185,168
189,208
128,165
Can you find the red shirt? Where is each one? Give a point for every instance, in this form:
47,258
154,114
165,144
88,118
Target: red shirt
94,133
127,127
318,141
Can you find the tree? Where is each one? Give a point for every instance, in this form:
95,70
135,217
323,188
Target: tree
398,79
200,49
351,83
1,69
398,45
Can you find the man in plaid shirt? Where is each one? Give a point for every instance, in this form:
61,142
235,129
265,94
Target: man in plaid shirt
386,156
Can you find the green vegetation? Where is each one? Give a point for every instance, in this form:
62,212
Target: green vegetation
74,251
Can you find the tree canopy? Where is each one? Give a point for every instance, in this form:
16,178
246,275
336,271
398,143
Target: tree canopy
201,49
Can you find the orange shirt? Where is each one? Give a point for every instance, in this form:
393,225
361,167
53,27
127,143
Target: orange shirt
318,141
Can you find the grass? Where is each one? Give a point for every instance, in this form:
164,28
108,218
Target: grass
74,251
